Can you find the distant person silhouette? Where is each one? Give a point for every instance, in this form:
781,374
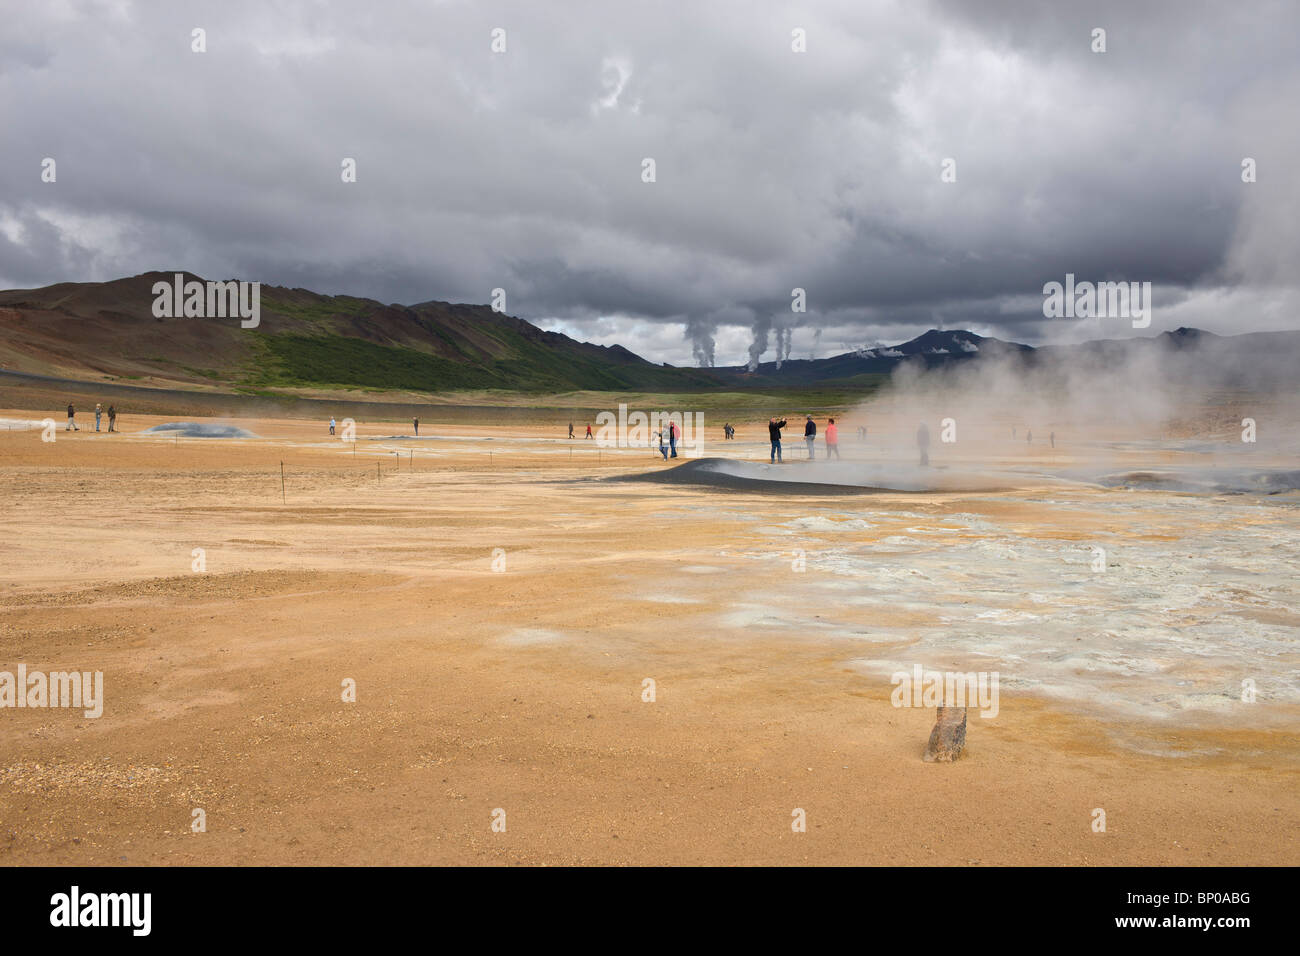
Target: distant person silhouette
72,421
416,423
810,436
331,424
99,411
1052,439
589,434
923,443
112,418
1029,437
672,437
570,429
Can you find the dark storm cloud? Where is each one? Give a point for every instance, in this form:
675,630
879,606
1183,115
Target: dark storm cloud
775,169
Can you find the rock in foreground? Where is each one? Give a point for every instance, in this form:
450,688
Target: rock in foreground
948,739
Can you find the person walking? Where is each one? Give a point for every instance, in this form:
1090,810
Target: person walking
72,422
774,433
99,411
416,423
663,443
112,418
672,437
832,440
589,434
923,444
331,424
570,429
810,436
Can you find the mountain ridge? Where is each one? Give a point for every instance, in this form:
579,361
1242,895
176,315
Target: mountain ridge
310,339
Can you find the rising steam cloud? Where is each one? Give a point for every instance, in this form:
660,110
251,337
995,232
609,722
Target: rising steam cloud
762,326
1106,394
783,337
700,333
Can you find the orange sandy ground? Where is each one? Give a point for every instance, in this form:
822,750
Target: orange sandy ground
519,690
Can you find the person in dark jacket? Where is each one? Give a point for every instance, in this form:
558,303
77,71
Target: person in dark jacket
112,418
810,435
774,433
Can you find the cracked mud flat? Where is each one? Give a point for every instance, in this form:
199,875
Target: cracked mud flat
523,688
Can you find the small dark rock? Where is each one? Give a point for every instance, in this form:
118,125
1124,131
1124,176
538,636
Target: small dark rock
948,738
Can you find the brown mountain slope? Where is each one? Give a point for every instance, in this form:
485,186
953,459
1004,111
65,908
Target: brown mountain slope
98,330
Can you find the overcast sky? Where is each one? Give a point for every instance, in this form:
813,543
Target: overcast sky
774,169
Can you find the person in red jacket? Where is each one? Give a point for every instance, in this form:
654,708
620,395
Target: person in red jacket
832,440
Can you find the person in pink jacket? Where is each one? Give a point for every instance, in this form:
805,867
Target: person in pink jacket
832,440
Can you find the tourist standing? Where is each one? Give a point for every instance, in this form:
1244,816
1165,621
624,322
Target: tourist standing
774,434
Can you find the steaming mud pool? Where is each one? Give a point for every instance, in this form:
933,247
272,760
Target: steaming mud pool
1113,591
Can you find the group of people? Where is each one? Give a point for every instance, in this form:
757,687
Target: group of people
1029,436
99,416
809,436
668,439
585,437
669,436
415,424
